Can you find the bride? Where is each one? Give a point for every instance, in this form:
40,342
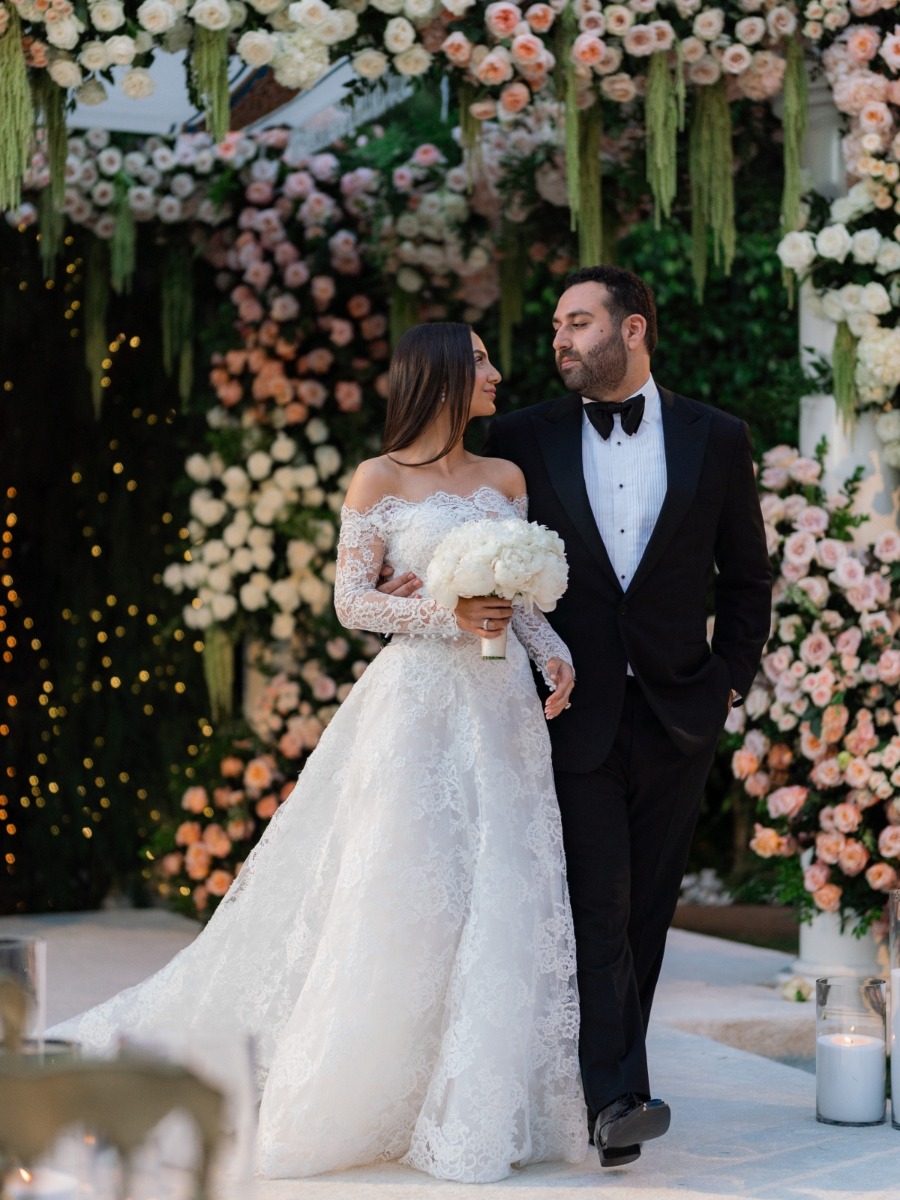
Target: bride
399,944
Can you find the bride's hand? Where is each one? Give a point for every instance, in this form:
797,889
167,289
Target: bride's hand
562,675
401,587
487,616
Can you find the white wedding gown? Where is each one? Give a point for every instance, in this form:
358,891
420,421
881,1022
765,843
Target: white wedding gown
400,943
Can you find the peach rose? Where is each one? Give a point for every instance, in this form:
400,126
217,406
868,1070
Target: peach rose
826,773
828,898
780,757
195,799
495,68
216,841
829,846
757,784
197,861
231,767
765,842
743,763
171,864
501,18
219,882
187,833
258,774
526,48
619,87
881,877
200,897
266,807
853,857
240,828
540,17
514,97
846,817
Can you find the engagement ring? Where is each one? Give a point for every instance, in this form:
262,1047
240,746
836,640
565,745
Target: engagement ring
485,624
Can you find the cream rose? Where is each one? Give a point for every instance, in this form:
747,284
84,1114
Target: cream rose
256,48
156,16
65,73
370,63
399,35
211,14
107,15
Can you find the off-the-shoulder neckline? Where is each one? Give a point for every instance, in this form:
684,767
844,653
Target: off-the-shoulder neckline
485,487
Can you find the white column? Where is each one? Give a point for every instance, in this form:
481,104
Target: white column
858,444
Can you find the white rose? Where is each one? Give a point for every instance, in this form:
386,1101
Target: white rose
242,560
198,468
389,6
851,296
865,245
832,307
91,93
223,606
887,426
309,13
252,596
200,617
211,14
283,625
316,431
65,73
409,280
370,64
335,28
256,48
888,259
285,594
137,84
692,49
750,30
875,299
93,56
156,16
106,15
328,461
120,49
861,323
64,33
399,35
306,477
419,10
412,62
797,250
171,578
834,242
259,465
283,448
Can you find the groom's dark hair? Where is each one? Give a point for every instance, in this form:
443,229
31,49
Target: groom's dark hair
627,294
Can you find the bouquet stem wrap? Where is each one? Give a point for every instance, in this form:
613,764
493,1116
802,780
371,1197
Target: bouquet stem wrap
495,647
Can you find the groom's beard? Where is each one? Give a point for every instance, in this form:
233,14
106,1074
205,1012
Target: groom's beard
600,371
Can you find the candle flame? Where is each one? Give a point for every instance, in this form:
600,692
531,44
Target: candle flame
26,1175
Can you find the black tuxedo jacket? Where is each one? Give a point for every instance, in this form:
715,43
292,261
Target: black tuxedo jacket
710,518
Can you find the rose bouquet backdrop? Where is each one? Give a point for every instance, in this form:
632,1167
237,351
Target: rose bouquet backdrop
820,749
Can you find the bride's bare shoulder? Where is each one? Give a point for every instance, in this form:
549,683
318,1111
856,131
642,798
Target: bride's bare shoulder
505,476
373,479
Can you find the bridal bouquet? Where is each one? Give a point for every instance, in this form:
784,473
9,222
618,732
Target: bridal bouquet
519,560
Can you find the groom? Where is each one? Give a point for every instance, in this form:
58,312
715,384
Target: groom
654,496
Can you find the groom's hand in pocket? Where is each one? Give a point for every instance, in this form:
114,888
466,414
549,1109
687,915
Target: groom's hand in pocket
487,616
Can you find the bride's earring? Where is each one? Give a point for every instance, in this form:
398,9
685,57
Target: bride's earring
443,395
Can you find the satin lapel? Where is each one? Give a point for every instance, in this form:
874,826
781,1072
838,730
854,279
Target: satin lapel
559,437
685,431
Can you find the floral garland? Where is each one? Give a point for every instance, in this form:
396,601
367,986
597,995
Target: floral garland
820,728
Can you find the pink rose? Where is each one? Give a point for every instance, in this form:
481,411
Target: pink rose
266,807
889,667
828,898
757,785
216,841
348,395
171,864
767,843
887,544
787,801
743,763
258,774
501,18
889,842
816,649
495,68
863,42
829,846
540,17
826,773
816,876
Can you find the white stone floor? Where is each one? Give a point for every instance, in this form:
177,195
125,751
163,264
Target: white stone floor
743,1124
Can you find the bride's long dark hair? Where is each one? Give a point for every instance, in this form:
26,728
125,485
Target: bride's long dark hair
432,371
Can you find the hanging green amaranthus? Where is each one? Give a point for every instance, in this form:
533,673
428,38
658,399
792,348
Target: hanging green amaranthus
471,131
52,224
96,305
50,106
590,186
513,263
794,121
124,242
177,315
209,64
218,671
843,365
712,182
15,112
661,114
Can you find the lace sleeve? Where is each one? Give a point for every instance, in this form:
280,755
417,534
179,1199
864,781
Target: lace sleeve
357,602
533,629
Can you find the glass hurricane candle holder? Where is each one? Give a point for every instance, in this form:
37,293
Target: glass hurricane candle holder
850,1051
894,1038
25,959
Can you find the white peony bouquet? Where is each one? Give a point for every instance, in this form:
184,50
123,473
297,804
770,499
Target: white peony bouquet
519,560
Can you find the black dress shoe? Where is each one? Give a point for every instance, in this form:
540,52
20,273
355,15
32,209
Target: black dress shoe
624,1125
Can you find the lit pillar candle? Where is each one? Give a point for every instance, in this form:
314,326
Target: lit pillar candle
850,1078
41,1184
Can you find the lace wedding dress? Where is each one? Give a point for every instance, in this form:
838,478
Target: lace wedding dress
400,944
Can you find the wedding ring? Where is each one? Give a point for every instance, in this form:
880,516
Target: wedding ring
486,623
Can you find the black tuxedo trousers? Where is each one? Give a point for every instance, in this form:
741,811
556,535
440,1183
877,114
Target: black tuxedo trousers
632,754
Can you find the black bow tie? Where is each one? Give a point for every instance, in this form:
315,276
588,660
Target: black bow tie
600,413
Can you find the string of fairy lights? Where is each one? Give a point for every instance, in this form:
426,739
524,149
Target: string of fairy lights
99,630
